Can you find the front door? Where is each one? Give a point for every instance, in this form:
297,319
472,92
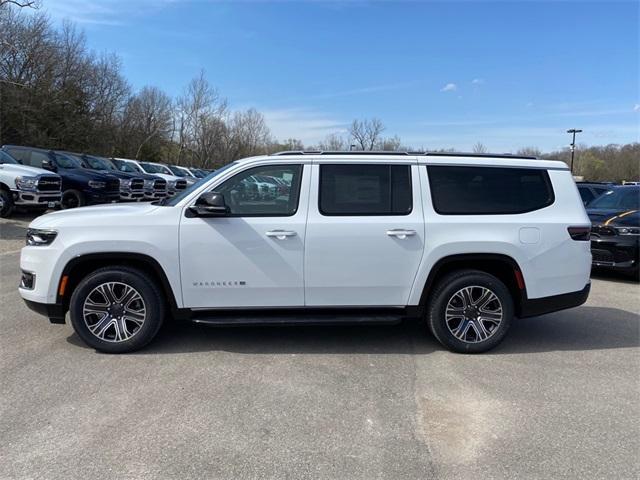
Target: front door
365,234
253,257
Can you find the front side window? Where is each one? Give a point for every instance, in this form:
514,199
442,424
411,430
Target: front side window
38,159
256,192
365,189
155,168
67,161
488,190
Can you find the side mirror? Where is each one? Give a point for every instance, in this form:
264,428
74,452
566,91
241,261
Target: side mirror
210,204
48,165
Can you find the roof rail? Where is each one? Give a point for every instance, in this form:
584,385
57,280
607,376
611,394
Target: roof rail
378,152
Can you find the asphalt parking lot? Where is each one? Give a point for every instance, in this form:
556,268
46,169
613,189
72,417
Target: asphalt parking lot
560,398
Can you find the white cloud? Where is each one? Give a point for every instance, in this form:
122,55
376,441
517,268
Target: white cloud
636,107
310,126
477,81
449,87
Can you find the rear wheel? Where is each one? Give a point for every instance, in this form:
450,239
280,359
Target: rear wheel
72,199
116,310
470,311
6,203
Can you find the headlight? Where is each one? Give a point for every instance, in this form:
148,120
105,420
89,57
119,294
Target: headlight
171,184
27,183
628,230
39,238
95,184
149,183
125,183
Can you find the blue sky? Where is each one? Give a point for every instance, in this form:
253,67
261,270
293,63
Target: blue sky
438,74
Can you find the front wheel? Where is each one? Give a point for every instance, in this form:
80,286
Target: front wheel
72,199
6,203
470,311
116,310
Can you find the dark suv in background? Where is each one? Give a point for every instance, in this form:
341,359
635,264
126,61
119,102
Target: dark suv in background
79,185
615,230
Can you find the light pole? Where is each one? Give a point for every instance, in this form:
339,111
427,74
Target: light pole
573,144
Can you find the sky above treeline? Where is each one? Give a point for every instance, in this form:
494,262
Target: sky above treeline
507,74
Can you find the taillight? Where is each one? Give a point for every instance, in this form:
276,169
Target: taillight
581,234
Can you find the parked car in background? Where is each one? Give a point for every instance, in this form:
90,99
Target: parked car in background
155,187
26,187
183,173
615,230
592,190
79,186
465,242
198,172
174,184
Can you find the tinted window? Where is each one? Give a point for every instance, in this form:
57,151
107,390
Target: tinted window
6,158
620,198
256,192
38,159
488,190
365,189
585,194
19,154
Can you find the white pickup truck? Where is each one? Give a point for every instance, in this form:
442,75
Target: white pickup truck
26,187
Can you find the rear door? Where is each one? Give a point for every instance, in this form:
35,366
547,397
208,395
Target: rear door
365,233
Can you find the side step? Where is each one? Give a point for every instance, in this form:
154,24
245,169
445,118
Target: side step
225,318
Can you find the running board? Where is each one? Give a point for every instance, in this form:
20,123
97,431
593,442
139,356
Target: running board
225,319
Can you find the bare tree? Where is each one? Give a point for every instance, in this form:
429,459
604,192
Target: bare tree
366,133
333,142
20,3
529,152
479,148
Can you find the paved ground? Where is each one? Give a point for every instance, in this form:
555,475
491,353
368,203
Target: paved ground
559,399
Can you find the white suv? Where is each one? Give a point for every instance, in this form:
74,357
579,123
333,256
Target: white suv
463,241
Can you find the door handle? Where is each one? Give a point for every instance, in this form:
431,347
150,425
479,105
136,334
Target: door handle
281,234
400,233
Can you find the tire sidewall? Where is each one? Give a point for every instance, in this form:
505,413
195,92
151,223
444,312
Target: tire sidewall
7,207
144,286
78,195
446,289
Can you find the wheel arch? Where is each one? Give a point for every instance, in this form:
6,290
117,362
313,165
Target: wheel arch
81,266
504,267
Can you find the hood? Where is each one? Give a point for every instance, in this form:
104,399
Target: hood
85,174
614,217
115,173
24,170
167,177
104,214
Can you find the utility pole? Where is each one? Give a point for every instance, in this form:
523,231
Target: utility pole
573,144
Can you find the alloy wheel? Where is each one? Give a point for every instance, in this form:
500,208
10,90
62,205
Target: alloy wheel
114,311
473,314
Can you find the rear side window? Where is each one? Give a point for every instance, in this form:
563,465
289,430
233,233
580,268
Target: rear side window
365,189
488,190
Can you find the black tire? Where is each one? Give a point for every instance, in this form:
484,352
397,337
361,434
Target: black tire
108,342
72,199
451,289
6,203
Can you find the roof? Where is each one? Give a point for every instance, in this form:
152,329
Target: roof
420,153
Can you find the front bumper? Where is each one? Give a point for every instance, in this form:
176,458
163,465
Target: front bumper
54,311
539,306
620,252
102,197
23,198
155,194
131,195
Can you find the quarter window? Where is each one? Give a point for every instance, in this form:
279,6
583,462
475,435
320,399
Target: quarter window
488,190
267,191
365,189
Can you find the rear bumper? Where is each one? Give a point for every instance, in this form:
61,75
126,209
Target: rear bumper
532,307
54,311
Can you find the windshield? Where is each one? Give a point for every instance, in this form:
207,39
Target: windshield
624,198
6,158
98,163
65,160
176,171
155,168
175,200
126,166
